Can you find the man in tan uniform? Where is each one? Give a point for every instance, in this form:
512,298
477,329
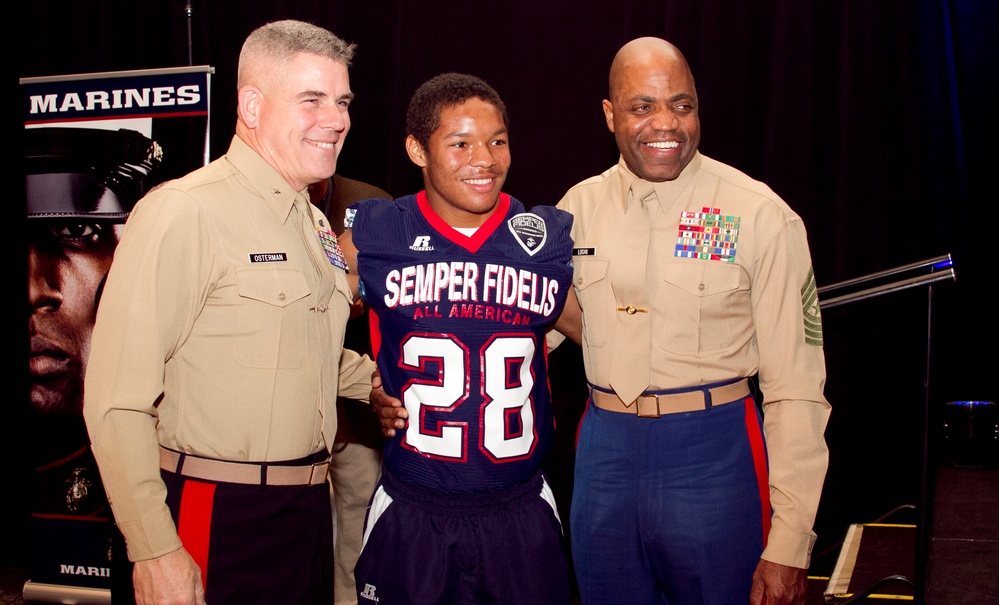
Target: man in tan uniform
216,357
691,278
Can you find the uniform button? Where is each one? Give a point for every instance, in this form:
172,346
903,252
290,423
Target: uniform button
700,287
631,310
281,296
579,281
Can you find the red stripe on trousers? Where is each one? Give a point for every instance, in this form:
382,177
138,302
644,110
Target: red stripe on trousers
760,463
579,425
194,526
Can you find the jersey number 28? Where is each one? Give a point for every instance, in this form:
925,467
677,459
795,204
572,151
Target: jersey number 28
506,385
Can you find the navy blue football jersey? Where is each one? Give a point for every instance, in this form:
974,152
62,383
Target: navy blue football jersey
458,332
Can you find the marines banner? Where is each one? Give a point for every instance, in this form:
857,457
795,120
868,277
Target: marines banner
93,145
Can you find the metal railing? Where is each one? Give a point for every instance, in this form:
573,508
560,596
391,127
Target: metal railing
936,269
927,273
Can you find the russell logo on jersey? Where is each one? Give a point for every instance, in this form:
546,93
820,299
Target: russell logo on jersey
422,244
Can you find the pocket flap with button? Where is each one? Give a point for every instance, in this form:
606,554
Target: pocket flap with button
272,286
588,272
703,278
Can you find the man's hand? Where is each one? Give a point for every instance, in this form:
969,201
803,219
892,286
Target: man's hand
389,409
356,308
171,579
775,584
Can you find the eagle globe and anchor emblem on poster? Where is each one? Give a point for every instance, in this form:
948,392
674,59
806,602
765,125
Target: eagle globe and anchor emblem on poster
79,489
529,230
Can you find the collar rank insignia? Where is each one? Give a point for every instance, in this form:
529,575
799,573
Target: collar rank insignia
529,230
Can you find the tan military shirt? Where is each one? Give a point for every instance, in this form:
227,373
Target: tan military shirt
736,311
219,334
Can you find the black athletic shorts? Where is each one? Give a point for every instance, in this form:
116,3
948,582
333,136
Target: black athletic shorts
425,547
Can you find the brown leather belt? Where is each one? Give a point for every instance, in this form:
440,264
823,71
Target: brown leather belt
655,405
247,473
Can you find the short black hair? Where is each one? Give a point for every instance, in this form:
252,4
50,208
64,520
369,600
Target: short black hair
423,116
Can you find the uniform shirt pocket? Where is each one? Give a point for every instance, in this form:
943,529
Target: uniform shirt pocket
706,306
271,318
593,289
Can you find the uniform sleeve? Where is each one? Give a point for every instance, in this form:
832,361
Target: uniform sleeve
158,282
355,375
792,378
553,338
561,229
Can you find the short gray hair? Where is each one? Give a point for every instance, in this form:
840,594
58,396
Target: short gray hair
281,40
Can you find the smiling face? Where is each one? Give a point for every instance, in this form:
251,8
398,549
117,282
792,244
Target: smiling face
67,260
465,162
296,116
652,109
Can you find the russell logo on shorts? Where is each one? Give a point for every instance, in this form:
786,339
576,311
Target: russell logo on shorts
369,593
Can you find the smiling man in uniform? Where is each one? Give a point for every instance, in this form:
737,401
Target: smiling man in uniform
693,280
216,358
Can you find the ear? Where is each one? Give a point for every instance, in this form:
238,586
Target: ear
248,105
417,154
609,114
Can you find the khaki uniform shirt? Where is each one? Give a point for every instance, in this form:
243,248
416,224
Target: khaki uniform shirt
716,319
219,334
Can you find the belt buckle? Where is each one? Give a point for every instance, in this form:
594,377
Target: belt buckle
325,464
647,406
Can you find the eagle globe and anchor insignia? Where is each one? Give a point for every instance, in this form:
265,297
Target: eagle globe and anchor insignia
79,489
529,230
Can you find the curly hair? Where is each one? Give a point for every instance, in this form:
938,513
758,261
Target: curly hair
423,116
281,40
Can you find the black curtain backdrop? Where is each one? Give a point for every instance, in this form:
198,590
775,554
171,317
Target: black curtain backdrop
870,118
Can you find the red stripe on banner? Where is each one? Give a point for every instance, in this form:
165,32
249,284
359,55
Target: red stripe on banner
195,523
755,435
140,116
